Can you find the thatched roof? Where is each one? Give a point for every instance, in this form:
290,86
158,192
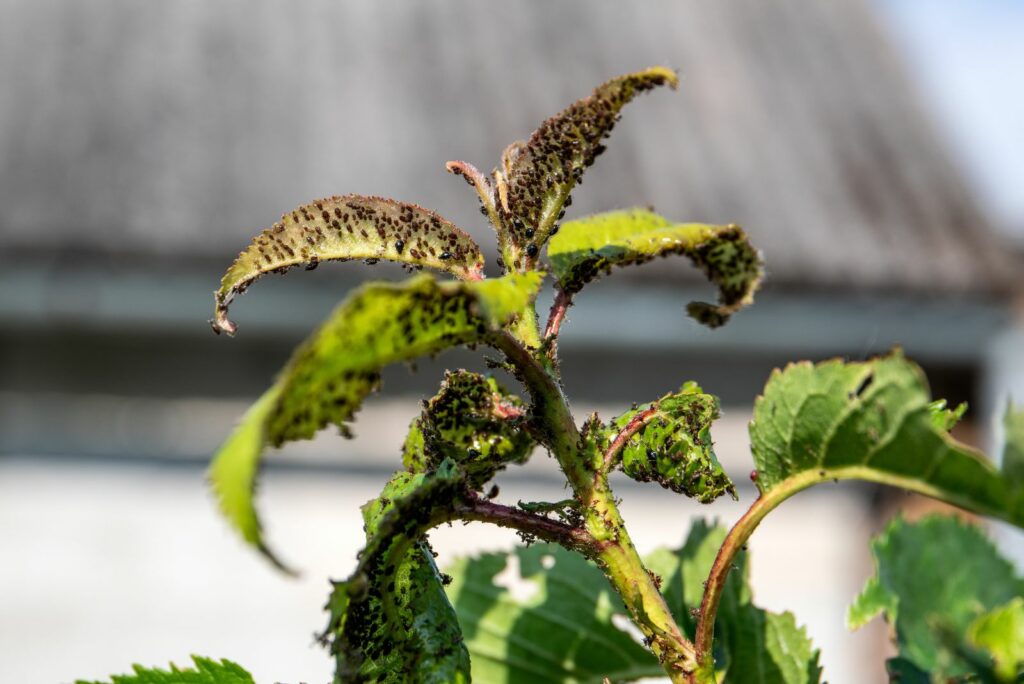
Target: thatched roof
179,129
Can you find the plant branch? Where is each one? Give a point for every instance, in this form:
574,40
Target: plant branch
745,526
555,428
559,308
573,538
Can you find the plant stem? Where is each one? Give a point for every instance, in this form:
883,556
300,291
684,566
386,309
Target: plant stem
572,538
748,522
614,552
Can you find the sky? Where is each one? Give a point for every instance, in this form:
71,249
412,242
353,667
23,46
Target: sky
967,57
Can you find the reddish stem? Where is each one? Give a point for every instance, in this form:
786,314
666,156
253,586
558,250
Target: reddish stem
561,304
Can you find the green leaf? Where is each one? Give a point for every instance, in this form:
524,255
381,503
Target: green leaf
1001,633
391,620
875,421
557,626
537,176
589,247
934,579
206,671
332,372
1013,450
674,448
472,421
347,228
751,644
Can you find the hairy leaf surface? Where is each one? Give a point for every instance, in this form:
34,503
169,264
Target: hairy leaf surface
346,228
472,421
589,247
674,448
206,671
751,644
332,372
391,620
555,626
537,177
934,579
871,420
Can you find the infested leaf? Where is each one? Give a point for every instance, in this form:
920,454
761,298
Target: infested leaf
206,671
590,247
339,365
674,448
875,421
472,421
935,582
391,620
537,176
346,228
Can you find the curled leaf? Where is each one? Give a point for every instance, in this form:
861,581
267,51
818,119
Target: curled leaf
589,247
537,177
391,620
340,364
674,446
346,228
473,422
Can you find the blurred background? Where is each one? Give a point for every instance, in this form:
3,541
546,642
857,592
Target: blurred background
873,149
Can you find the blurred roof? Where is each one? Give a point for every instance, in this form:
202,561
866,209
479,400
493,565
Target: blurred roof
177,130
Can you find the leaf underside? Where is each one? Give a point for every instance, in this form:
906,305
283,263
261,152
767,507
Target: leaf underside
206,671
586,248
391,620
537,176
346,228
940,583
675,448
339,365
871,420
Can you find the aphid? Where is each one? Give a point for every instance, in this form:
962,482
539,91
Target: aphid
531,250
399,245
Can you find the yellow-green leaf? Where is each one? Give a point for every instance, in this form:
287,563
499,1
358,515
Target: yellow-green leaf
332,372
347,228
589,247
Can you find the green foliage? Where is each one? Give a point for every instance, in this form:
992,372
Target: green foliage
751,644
587,248
332,372
347,228
537,177
206,671
1013,451
562,630
472,421
390,621
936,582
674,447
871,420
955,606
1001,633
565,629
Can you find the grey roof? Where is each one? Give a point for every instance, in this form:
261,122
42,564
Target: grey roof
179,129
